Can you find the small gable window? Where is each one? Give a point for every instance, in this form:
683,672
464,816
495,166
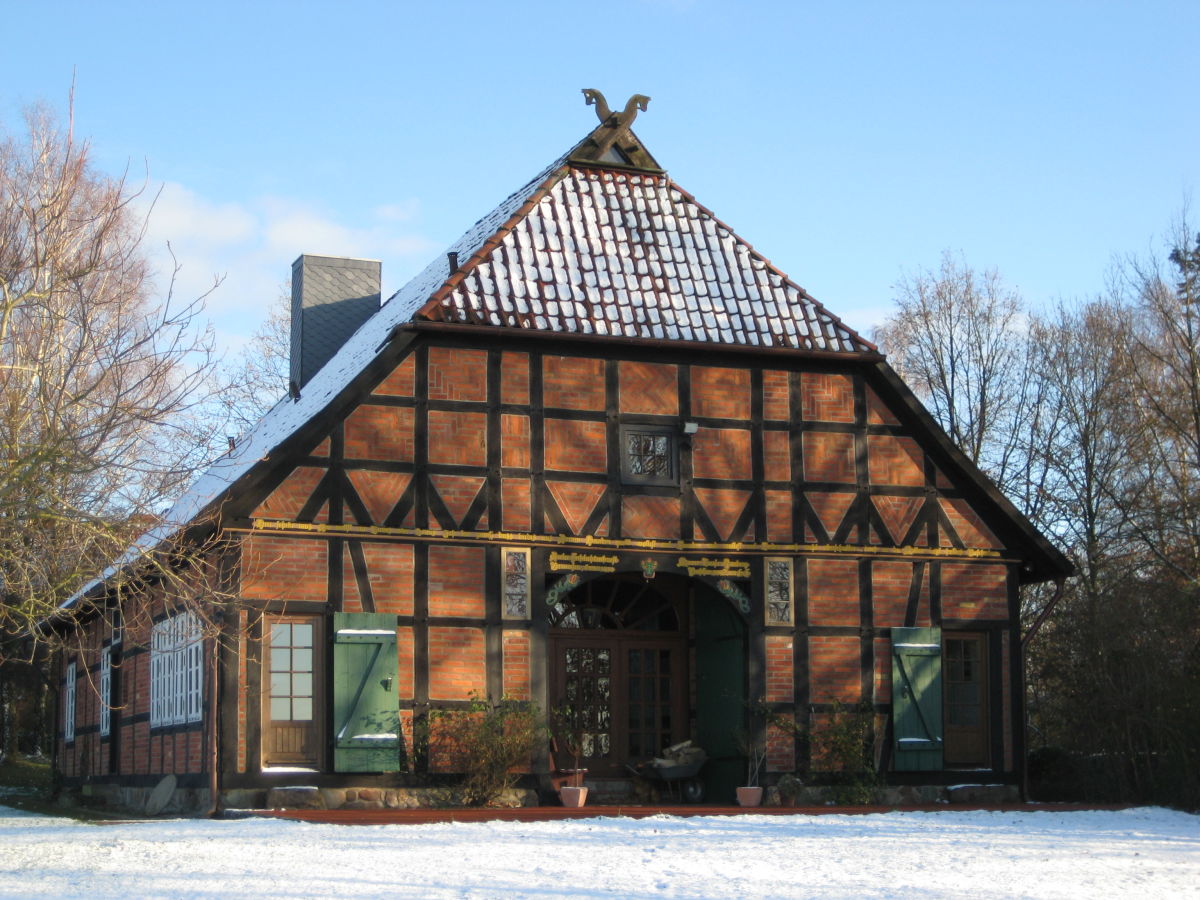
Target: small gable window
649,455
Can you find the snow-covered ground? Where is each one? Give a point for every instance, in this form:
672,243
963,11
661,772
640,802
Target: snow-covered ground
1147,852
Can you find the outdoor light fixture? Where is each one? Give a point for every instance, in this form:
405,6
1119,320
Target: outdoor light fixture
690,427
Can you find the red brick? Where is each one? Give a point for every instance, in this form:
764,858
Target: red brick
721,453
458,492
834,669
829,456
723,508
651,388
405,665
573,382
379,491
456,577
650,517
890,584
833,592
895,460
898,514
575,500
877,412
284,568
399,382
390,574
286,501
458,438
974,591
380,432
515,494
830,508
575,446
457,374
777,456
514,441
516,664
779,516
514,378
720,393
776,396
968,525
456,663
826,398
781,680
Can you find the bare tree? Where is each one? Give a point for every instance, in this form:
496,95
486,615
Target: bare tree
257,377
101,379
957,338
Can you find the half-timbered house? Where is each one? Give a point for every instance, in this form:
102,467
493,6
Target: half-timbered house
601,450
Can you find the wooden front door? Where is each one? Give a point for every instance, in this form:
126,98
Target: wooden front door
292,708
619,661
966,710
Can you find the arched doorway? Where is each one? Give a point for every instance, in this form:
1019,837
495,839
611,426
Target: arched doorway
649,664
618,657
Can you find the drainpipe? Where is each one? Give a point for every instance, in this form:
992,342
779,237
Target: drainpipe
1059,584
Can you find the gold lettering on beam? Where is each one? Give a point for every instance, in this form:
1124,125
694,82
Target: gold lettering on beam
734,568
583,562
281,526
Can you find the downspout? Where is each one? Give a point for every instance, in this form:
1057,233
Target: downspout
1059,584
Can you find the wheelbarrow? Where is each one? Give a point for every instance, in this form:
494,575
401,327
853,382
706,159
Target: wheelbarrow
676,770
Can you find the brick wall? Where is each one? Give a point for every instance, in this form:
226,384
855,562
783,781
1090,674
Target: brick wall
458,438
826,398
516,664
286,501
456,581
721,453
379,432
456,663
284,568
648,388
578,446
834,666
974,591
572,382
833,592
721,393
457,374
828,456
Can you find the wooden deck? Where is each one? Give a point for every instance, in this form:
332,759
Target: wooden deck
556,813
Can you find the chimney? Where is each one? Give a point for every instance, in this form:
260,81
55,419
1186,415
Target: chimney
331,297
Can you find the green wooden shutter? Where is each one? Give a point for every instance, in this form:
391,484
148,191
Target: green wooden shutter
917,698
366,709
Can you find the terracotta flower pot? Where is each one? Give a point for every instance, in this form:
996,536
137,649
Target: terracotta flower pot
749,796
572,796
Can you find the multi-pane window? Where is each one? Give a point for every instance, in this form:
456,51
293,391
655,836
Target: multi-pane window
292,671
176,671
779,591
516,583
648,455
69,704
105,692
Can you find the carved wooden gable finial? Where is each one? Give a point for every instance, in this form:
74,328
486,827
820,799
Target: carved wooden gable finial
613,142
621,120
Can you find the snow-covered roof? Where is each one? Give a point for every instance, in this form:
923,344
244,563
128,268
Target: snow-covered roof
584,247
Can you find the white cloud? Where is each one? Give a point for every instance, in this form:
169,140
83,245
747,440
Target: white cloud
250,248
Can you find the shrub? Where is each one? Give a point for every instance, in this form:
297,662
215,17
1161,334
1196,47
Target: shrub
488,743
843,749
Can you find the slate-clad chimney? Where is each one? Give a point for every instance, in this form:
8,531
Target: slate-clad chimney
331,297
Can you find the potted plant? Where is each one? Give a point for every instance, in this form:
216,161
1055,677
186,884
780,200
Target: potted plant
570,727
755,751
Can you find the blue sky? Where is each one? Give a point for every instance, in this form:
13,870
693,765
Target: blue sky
849,142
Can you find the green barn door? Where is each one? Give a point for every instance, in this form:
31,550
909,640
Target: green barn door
720,693
366,711
917,698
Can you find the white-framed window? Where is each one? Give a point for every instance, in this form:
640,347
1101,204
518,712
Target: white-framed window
69,704
105,692
176,671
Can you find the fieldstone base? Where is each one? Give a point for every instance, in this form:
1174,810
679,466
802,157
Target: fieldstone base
371,798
